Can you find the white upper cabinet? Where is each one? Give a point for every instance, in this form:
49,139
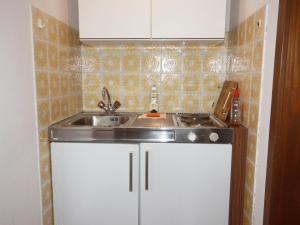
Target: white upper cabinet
109,19
158,19
185,19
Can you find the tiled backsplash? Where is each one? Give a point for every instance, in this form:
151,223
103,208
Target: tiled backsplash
188,75
58,87
245,50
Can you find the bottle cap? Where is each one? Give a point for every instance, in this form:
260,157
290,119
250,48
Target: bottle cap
236,93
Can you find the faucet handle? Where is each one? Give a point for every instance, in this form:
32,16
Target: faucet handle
116,105
101,105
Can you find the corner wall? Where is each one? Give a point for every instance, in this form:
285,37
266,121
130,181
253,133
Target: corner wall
246,45
58,87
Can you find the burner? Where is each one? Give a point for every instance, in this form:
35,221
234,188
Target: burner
197,120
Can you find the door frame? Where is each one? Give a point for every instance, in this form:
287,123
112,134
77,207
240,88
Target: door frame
283,74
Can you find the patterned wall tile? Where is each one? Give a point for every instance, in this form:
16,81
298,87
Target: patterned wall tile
176,68
58,87
246,43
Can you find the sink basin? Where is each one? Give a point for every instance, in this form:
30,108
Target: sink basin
101,121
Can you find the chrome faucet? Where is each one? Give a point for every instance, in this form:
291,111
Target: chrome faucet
109,108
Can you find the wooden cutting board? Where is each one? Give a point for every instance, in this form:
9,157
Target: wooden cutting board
224,102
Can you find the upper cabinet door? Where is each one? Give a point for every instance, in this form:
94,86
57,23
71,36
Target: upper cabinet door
186,19
110,19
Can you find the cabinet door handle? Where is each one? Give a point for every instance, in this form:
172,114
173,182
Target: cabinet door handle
130,171
147,171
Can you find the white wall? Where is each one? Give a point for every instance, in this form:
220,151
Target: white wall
241,9
64,10
20,202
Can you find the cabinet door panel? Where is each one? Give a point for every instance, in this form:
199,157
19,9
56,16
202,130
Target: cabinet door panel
188,19
91,184
188,184
114,19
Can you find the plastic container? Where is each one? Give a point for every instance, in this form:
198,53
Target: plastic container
153,106
235,111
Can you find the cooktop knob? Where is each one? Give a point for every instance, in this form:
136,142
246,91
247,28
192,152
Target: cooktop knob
214,137
192,136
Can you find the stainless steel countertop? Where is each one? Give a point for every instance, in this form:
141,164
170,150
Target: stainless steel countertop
138,130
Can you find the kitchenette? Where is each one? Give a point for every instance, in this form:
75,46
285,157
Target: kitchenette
147,112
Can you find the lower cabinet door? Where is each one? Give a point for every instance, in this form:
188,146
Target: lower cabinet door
95,184
185,184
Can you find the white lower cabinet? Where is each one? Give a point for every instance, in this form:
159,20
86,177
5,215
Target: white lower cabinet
91,184
188,184
146,184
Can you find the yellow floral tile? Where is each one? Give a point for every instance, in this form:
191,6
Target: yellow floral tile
245,88
47,195
249,29
90,63
44,148
72,104
48,217
53,29
190,104
42,84
151,62
250,174
214,62
248,58
211,84
208,103
54,85
253,117
170,82
52,57
248,202
64,59
148,80
64,103
111,81
260,23
111,62
43,134
43,113
170,103
191,83
63,33
241,33
146,103
245,113
71,37
251,152
45,167
131,62
258,56
91,83
64,84
192,62
91,101
39,33
131,82
40,54
171,61
255,88
55,110
131,103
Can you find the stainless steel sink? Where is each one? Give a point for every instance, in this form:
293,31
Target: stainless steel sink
101,121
